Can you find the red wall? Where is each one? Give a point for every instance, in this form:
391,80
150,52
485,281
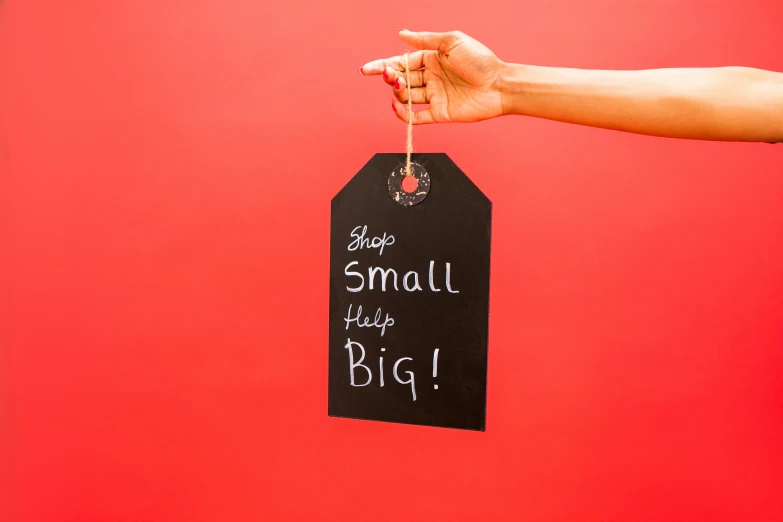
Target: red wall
169,171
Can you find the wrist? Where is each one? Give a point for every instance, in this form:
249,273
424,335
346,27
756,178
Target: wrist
511,87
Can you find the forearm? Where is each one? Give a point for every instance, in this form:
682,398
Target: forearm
730,103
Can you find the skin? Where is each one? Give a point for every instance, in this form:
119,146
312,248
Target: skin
463,81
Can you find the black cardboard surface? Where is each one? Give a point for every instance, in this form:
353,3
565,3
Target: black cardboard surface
448,234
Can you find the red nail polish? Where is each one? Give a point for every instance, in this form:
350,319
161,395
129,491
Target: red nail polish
397,83
385,75
393,108
360,70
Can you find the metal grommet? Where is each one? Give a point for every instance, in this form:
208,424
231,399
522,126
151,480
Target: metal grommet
408,199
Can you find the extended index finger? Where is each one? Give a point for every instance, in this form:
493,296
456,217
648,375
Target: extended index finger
415,61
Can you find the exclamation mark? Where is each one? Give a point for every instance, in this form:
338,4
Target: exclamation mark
435,365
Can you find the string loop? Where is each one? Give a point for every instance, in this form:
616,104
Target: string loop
409,145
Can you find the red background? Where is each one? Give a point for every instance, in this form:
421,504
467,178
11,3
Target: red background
168,172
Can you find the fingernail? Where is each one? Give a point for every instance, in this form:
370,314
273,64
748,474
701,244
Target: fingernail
397,83
393,108
360,70
400,30
385,75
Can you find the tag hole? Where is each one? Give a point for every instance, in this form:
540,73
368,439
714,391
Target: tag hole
408,190
409,184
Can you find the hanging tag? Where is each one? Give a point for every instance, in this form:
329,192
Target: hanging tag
409,295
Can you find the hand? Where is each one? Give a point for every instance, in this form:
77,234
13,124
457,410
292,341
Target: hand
458,76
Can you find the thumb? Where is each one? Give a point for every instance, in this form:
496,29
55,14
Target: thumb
425,40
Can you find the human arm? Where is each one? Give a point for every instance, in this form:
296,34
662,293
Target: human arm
463,81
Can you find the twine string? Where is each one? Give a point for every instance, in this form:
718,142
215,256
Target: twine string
409,145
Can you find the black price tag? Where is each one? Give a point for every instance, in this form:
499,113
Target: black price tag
409,295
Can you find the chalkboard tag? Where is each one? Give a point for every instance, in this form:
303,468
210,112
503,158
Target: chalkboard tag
409,295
